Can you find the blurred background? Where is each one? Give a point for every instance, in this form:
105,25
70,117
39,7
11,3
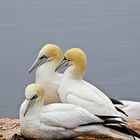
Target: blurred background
107,30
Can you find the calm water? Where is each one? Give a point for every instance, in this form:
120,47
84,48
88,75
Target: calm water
108,31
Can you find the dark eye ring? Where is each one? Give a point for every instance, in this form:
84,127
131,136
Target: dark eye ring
43,56
65,58
34,97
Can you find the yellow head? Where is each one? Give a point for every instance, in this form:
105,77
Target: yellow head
77,58
50,52
34,89
34,95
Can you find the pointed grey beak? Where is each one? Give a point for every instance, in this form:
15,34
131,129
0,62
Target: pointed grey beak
38,62
64,63
31,102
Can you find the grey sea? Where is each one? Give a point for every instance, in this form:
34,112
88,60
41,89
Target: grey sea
107,30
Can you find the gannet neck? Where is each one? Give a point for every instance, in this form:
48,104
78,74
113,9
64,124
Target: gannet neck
40,103
79,63
47,69
79,67
74,72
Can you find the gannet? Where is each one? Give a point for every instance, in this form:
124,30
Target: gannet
48,59
73,89
59,120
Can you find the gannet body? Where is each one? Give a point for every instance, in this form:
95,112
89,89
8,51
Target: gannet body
58,120
48,59
83,94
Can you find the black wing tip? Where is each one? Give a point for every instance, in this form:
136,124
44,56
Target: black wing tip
104,117
103,123
121,111
114,101
113,124
124,129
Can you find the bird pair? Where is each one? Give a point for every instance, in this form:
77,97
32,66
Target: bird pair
84,108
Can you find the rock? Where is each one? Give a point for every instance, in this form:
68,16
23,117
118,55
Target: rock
8,127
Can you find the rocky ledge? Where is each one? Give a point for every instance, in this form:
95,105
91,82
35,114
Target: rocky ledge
8,127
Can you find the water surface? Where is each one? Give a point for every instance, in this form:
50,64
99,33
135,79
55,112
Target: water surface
108,31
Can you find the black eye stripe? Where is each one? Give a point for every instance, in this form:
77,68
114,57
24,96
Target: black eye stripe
65,58
43,56
34,97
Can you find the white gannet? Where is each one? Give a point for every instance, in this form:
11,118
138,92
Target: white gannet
131,108
48,59
74,90
58,120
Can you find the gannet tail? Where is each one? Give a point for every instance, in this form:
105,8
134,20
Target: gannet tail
123,129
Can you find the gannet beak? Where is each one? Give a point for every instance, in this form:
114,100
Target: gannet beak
38,62
31,102
64,63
